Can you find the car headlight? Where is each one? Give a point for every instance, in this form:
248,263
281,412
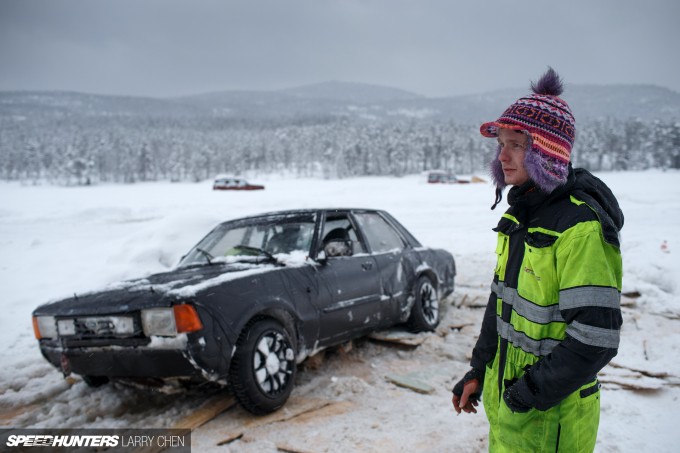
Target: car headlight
44,327
168,322
159,321
66,327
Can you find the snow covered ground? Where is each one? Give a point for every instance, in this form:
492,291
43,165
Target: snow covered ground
55,241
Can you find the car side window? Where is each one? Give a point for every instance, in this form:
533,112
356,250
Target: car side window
289,237
380,235
342,222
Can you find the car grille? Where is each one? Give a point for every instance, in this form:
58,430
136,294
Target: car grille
85,328
100,327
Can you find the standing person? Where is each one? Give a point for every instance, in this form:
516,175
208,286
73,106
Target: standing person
553,316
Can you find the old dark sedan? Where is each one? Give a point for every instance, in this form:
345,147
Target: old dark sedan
249,302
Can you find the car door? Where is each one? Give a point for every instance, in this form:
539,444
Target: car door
350,291
396,271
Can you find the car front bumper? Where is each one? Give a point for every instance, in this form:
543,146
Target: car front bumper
122,362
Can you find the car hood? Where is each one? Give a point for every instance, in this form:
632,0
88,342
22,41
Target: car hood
157,290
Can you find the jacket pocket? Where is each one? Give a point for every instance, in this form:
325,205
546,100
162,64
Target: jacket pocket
538,275
522,431
501,256
580,421
590,393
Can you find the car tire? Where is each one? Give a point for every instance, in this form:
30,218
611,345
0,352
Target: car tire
263,368
95,381
425,310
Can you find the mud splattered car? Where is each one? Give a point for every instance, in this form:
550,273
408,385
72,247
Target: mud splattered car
249,302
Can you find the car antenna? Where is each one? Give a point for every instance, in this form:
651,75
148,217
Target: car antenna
75,296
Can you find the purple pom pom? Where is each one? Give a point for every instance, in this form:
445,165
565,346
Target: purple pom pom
549,84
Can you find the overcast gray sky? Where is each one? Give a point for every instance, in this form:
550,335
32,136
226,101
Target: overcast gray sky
431,47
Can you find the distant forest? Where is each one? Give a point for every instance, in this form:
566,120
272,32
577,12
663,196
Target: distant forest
90,149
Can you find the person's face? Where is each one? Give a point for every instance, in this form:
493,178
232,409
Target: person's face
513,148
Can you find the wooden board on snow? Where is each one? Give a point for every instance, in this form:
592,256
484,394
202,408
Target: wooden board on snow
410,383
293,408
633,379
654,374
206,412
398,337
285,448
8,414
460,326
632,382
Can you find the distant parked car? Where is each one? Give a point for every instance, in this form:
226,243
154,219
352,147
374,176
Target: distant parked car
229,183
250,301
441,177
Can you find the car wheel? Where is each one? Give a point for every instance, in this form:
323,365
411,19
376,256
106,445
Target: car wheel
425,310
95,381
262,372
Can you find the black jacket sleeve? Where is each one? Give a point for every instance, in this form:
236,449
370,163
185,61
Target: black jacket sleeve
487,343
572,363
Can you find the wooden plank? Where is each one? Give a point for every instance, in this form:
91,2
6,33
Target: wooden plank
285,448
477,302
206,412
7,415
633,382
653,374
210,409
410,383
668,315
293,408
330,410
231,438
462,301
400,337
460,326
628,302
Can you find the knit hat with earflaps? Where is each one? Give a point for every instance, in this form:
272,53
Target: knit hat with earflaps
550,125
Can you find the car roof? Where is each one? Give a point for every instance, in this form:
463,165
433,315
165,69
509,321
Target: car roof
300,211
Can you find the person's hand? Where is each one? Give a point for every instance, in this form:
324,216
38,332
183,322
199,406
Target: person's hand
467,392
518,395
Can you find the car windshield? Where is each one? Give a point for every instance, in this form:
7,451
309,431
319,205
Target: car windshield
261,237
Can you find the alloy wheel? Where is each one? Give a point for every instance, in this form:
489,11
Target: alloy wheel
273,360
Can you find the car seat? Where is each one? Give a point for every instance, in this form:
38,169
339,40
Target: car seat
283,242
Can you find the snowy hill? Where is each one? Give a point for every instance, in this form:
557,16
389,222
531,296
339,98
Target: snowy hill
341,99
61,104
646,102
352,92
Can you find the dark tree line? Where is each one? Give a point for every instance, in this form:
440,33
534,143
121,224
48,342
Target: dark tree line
124,149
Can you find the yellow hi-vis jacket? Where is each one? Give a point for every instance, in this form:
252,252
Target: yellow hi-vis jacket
553,317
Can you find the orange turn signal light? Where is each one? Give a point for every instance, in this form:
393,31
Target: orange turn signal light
36,329
186,319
